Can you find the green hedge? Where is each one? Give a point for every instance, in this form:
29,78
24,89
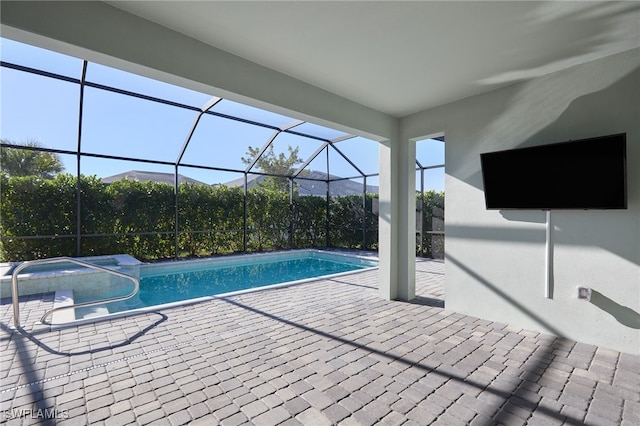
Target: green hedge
33,206
210,219
138,218
431,245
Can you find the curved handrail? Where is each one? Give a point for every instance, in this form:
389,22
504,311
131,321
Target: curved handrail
14,286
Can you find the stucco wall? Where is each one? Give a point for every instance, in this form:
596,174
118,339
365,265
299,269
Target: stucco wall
495,260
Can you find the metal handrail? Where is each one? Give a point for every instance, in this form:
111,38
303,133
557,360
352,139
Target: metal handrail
14,286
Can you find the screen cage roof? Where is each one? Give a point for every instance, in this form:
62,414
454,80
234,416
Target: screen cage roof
74,107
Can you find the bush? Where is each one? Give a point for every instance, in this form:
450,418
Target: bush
139,208
432,245
210,219
44,209
346,222
309,222
268,219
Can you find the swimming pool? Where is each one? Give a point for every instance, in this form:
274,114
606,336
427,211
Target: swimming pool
169,284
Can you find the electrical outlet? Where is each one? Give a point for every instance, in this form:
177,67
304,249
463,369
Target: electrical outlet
584,293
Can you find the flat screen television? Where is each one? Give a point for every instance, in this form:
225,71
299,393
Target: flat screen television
582,174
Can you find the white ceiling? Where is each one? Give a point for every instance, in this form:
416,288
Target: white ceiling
404,57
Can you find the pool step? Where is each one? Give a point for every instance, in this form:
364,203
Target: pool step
91,311
60,299
65,298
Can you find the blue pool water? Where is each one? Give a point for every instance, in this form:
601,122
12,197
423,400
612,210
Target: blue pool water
155,290
175,282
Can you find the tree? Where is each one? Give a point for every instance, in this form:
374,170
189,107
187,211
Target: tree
278,165
29,162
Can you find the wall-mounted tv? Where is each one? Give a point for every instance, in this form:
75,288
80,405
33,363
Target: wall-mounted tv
582,174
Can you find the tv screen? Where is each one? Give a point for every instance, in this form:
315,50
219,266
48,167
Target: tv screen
583,174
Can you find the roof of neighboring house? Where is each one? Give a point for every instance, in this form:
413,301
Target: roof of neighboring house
312,184
143,176
307,186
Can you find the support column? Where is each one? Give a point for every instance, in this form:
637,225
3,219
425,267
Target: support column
397,220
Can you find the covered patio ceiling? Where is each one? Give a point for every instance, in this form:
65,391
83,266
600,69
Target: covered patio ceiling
403,57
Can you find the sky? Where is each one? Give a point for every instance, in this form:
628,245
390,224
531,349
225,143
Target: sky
34,107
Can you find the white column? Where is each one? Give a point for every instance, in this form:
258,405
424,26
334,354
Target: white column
397,220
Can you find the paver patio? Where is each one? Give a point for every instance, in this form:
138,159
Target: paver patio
326,352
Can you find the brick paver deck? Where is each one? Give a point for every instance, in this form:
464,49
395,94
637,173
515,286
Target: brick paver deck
321,353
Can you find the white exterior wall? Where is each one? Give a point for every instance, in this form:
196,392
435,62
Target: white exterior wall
495,260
